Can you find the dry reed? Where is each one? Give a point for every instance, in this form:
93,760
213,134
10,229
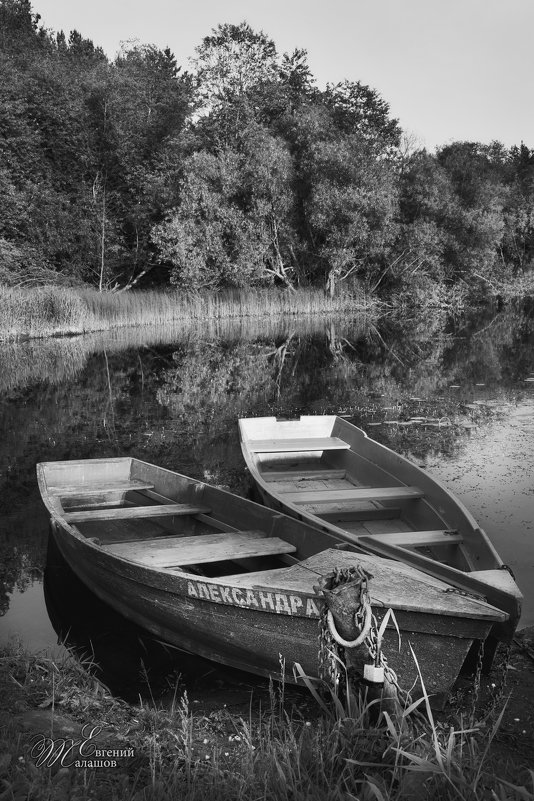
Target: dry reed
54,311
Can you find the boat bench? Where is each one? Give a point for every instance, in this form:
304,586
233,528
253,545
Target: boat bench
419,539
327,497
179,551
297,445
128,485
135,512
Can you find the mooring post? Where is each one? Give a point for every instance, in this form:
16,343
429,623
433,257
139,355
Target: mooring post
344,601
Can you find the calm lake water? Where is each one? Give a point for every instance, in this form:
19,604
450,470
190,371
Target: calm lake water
456,396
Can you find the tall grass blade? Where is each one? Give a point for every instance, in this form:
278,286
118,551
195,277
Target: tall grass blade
375,790
299,674
380,635
435,740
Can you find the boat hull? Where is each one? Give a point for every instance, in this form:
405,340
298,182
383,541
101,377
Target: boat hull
361,460
236,631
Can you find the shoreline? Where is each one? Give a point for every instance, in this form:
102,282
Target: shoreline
279,744
55,312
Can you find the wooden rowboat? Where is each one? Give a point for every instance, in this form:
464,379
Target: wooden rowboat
326,471
233,581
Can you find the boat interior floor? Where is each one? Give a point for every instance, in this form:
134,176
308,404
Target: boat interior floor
385,513
134,521
154,531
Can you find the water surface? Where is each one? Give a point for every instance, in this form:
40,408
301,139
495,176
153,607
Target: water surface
456,396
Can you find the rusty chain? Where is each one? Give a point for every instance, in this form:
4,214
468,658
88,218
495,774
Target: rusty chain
476,683
331,652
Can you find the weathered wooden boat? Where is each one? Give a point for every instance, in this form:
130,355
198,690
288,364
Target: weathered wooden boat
233,581
326,471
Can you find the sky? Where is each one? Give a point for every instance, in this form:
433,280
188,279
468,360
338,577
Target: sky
449,69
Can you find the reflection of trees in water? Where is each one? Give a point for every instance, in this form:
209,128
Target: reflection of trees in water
177,404
214,379
21,561
496,346
56,360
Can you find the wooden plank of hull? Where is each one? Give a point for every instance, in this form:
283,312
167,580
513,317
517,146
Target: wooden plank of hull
205,548
135,512
311,485
302,475
113,531
356,512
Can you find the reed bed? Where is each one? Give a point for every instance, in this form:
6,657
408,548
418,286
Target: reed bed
278,754
25,362
54,311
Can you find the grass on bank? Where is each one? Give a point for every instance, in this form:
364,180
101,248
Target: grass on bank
49,311
276,755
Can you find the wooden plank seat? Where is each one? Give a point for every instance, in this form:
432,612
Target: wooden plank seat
298,475
420,539
179,551
264,578
129,485
135,512
356,494
297,445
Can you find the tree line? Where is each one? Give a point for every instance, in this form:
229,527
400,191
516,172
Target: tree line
240,172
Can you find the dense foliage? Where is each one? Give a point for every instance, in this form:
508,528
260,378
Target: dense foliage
240,173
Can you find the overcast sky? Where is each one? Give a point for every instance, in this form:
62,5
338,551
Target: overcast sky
450,69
